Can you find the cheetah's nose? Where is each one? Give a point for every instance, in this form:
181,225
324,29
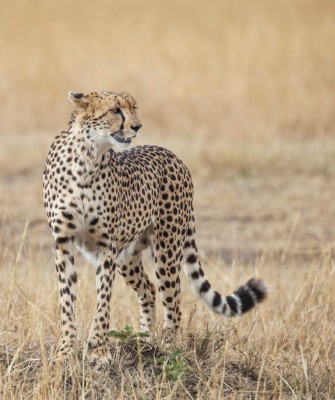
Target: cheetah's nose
136,127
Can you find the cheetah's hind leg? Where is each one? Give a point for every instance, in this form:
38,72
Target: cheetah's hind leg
131,268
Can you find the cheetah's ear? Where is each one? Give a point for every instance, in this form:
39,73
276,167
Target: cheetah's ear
78,100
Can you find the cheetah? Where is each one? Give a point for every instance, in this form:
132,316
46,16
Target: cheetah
111,205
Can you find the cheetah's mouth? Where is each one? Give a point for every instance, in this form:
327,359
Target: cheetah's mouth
120,138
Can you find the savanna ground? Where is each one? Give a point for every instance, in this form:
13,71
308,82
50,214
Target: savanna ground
243,92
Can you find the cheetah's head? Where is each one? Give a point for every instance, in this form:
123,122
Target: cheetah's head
106,119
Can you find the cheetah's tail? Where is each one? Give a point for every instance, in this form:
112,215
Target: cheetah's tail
241,301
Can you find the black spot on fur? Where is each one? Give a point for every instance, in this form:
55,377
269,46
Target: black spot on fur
217,299
232,304
62,240
192,258
205,287
246,299
68,215
195,275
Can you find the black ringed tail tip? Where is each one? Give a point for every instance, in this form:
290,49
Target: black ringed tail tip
239,302
253,292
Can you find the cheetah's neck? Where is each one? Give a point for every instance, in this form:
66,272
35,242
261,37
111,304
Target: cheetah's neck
89,158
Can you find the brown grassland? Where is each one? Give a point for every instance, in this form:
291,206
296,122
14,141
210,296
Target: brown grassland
244,93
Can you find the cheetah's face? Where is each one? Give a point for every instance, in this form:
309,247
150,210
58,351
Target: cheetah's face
107,119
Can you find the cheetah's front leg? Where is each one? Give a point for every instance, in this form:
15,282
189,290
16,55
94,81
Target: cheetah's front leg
67,278
98,338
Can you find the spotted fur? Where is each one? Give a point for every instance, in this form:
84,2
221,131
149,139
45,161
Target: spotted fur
112,205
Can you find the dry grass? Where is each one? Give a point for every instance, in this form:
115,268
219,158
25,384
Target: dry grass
244,93
286,350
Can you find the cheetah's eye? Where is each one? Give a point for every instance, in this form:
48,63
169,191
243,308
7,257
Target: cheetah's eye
117,110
